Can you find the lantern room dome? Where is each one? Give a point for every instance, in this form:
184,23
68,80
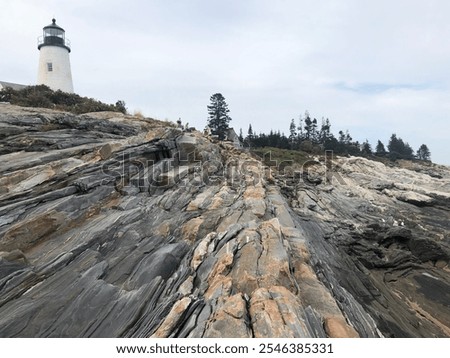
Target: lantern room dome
53,35
54,26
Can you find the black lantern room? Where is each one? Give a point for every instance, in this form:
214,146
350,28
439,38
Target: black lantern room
53,35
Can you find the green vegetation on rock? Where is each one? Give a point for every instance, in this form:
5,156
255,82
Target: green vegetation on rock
44,97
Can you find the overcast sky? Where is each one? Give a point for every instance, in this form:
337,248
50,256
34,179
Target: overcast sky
372,67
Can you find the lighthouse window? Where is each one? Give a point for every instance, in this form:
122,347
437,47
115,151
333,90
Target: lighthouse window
49,67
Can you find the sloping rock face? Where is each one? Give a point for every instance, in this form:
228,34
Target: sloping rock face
381,235
117,226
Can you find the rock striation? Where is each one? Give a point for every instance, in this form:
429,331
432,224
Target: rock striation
119,226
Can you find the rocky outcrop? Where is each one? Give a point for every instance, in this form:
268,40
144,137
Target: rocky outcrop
381,234
118,226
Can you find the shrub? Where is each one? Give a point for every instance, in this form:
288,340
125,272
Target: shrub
43,96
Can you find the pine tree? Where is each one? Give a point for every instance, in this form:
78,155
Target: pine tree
423,153
121,106
325,133
408,152
250,139
218,115
308,126
314,132
366,148
292,134
380,149
398,149
345,138
348,137
250,132
300,128
394,145
241,136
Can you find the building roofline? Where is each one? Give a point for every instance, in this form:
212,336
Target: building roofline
14,86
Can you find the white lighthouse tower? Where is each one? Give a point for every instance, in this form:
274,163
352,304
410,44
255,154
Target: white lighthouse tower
54,63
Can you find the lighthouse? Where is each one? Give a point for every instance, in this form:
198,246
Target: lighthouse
54,62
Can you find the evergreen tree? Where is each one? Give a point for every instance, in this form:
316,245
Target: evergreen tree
354,148
324,133
260,140
348,137
366,148
250,132
272,138
283,141
314,132
408,152
380,150
423,153
345,138
308,127
300,128
292,134
121,106
344,144
399,149
218,115
241,136
250,139
394,145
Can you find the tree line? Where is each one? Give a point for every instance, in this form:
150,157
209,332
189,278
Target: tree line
310,136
